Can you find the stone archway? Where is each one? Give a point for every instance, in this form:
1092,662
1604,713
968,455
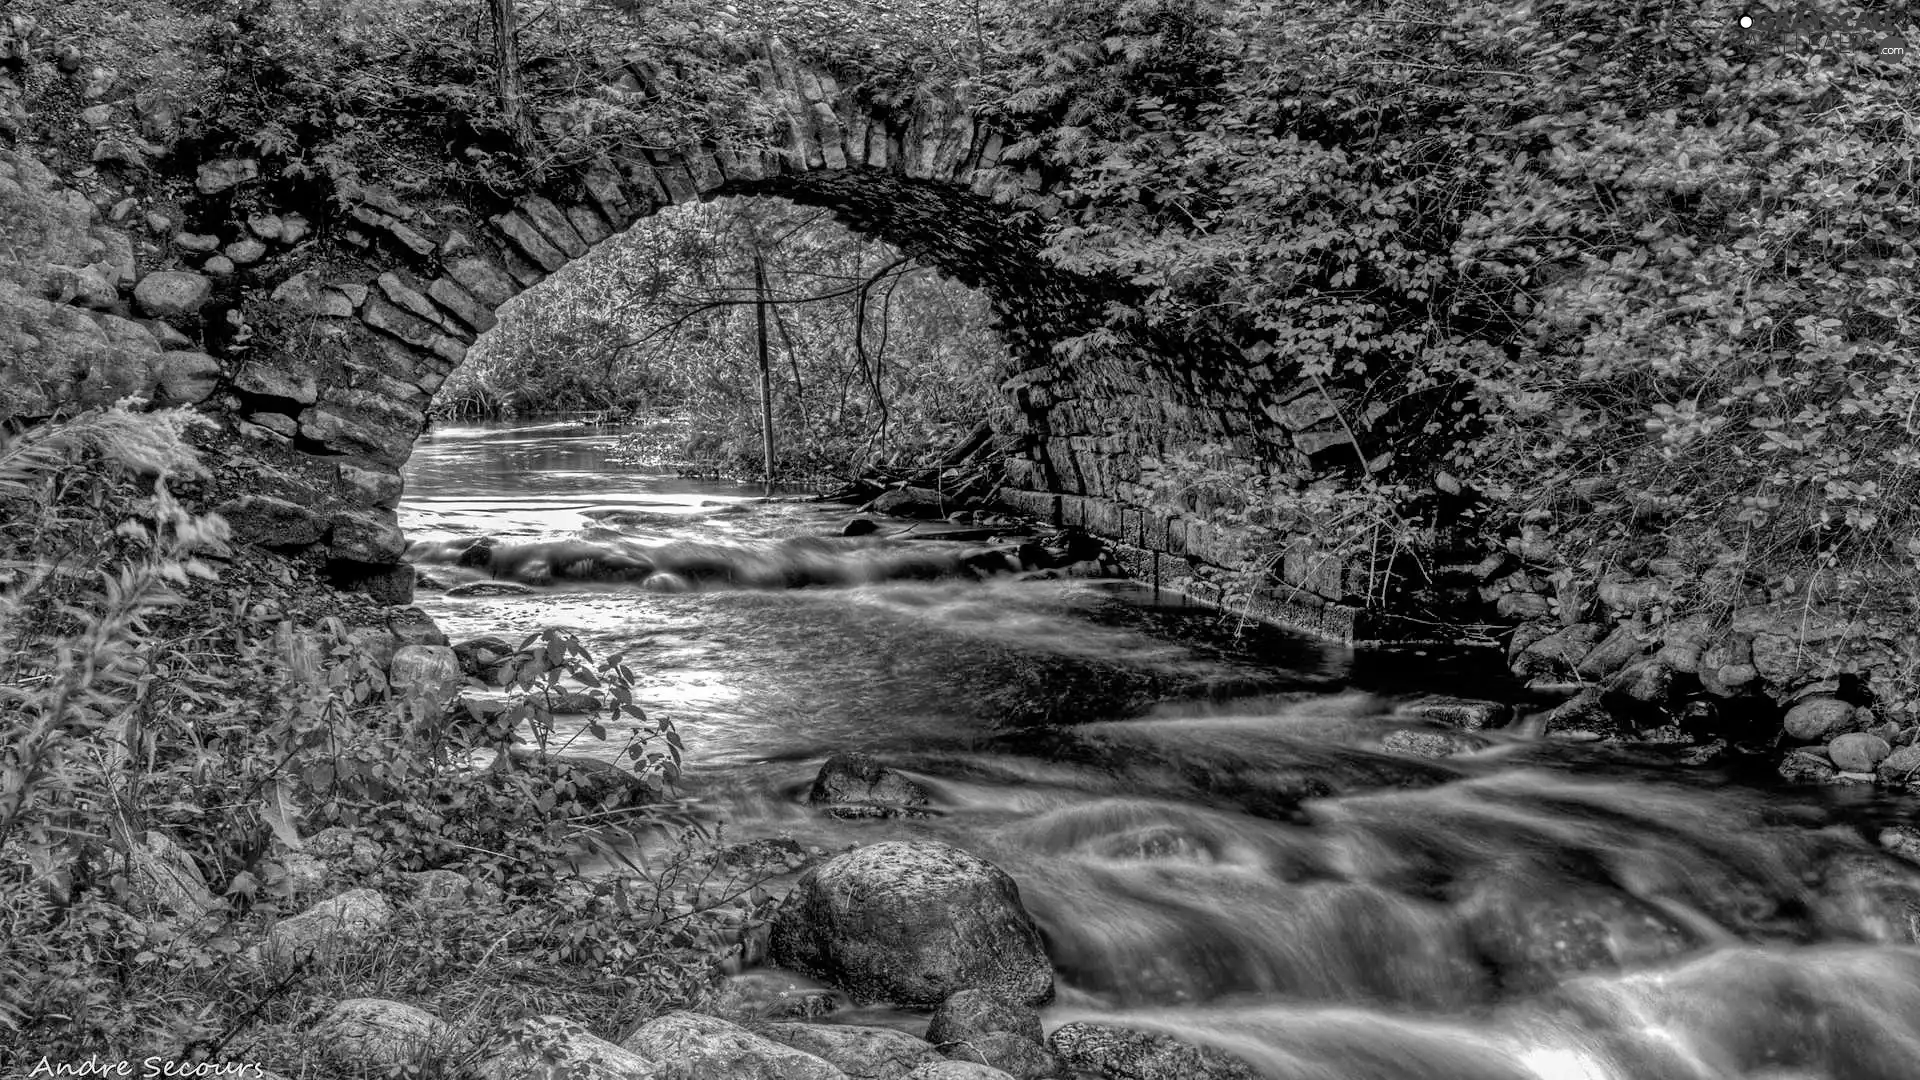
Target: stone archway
338,327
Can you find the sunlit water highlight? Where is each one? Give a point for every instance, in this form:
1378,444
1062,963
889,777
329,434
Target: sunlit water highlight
1202,816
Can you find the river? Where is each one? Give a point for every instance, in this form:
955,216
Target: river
1203,815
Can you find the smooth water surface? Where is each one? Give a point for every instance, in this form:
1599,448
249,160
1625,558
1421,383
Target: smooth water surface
1202,815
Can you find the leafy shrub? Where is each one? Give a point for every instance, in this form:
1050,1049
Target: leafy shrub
1563,242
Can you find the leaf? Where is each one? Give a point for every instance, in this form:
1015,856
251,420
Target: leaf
280,812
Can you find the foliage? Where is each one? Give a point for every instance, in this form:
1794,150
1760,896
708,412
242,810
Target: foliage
871,356
1561,241
238,739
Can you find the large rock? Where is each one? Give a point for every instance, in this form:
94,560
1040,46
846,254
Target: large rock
912,923
857,785
330,927
863,1053
378,1032
1125,1054
696,1047
172,294
556,1048
366,536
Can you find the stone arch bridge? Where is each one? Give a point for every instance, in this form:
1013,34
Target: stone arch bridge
329,363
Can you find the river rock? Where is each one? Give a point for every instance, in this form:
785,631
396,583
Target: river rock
863,1053
552,1047
186,377
1586,716
972,1013
1125,1054
330,927
1899,766
1857,752
906,502
1022,1059
1429,744
473,589
1813,719
697,1047
860,526
856,785
957,1070
245,252
1871,897
172,294
378,1032
912,922
1533,938
1467,714
1558,653
1806,767
1619,648
429,673
413,626
1903,841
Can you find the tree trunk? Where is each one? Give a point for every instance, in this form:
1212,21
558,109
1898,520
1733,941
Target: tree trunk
766,365
506,72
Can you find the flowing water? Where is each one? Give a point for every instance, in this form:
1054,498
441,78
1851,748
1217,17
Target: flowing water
1202,815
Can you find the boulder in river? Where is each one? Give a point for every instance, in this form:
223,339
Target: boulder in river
1126,1054
911,922
1022,1059
857,785
698,1047
972,1013
1533,938
1467,714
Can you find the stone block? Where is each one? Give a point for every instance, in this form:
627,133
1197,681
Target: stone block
484,280
528,239
462,304
553,224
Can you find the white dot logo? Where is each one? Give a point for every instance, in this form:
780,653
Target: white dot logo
1746,22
